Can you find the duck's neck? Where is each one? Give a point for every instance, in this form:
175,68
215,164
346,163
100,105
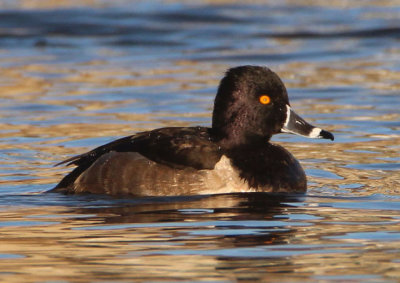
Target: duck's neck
232,139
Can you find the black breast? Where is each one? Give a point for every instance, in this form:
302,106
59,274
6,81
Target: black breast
269,167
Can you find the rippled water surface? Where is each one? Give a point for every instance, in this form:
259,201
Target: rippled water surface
77,74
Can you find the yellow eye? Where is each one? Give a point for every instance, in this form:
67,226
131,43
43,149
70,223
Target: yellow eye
264,99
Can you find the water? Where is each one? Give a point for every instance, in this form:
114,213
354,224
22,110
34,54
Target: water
77,74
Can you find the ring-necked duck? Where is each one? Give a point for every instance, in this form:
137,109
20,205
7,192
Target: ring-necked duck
234,155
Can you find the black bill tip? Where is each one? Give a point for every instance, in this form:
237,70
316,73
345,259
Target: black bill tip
326,135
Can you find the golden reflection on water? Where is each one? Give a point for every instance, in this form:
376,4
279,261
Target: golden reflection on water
167,241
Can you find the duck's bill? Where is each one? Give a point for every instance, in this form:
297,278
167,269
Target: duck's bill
296,125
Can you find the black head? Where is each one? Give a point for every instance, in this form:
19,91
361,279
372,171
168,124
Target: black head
252,104
238,112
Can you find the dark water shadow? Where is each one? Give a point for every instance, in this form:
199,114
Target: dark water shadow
160,209
239,220
246,206
393,32
236,220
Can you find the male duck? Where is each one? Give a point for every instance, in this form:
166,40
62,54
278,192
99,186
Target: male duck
234,155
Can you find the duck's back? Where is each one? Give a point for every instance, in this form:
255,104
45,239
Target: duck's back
141,164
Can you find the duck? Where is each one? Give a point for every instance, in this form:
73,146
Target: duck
234,155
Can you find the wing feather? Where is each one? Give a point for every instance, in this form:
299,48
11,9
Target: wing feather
177,147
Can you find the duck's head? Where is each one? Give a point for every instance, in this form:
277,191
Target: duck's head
252,104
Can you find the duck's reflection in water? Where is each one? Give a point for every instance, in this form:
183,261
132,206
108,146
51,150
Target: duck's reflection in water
217,237
247,219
